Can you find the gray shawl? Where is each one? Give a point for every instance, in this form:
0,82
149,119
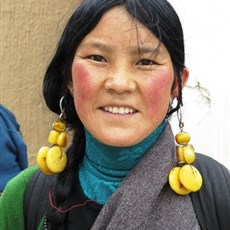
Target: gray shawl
144,200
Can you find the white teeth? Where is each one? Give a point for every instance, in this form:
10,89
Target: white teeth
110,109
119,110
115,110
126,110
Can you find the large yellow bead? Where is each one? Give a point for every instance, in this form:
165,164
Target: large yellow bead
41,160
182,138
175,183
59,126
191,178
56,159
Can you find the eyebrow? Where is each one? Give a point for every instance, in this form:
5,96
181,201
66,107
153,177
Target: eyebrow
145,50
133,50
99,45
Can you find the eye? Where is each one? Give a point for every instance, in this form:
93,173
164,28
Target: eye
146,62
97,58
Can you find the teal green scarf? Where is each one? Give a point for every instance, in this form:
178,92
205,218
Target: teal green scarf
104,167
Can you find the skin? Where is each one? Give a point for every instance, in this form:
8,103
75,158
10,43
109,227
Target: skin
115,67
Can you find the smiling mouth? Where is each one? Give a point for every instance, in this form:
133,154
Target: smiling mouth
119,110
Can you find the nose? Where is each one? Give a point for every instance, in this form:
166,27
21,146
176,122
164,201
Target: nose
120,82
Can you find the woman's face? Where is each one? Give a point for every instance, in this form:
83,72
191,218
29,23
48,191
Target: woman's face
121,83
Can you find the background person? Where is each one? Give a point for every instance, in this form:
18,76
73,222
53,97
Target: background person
13,155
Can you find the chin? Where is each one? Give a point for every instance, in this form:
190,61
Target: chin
121,140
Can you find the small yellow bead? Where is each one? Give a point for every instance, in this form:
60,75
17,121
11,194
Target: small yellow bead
62,139
182,138
180,154
53,135
189,153
59,126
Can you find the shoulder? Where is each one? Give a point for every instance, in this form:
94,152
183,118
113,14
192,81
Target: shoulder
8,117
21,180
215,175
210,166
18,185
12,200
212,201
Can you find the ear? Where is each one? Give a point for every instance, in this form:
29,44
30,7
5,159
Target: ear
184,78
70,87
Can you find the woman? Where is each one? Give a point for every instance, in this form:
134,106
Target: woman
117,68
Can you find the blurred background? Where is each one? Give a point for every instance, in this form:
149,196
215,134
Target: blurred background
206,108
29,33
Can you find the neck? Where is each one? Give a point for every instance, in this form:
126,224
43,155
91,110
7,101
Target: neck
104,167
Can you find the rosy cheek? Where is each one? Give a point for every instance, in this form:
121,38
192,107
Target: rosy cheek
82,82
157,93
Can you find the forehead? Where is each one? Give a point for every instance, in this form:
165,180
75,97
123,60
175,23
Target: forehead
117,24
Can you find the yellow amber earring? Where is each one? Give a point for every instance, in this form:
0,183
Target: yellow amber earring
184,178
53,159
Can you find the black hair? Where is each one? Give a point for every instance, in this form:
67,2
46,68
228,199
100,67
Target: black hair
156,15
